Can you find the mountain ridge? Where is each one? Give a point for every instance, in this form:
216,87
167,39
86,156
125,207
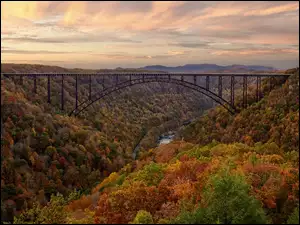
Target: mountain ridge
211,68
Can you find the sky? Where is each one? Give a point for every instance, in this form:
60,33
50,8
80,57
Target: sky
132,34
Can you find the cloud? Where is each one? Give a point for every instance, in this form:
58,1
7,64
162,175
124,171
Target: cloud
137,31
128,56
15,51
192,45
258,52
170,32
274,10
67,39
35,61
172,53
4,48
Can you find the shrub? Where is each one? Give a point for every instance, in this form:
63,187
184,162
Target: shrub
54,212
19,162
50,150
143,217
81,136
226,202
8,191
294,217
151,174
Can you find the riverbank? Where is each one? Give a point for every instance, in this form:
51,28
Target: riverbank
164,138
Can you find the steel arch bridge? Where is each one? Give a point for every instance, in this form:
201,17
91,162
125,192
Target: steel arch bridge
132,79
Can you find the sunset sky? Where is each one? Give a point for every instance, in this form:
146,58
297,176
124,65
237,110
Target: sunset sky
135,34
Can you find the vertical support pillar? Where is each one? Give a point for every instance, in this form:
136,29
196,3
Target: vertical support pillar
257,88
195,79
62,92
270,84
232,91
246,79
21,79
169,76
90,87
220,88
49,100
207,82
182,79
244,91
130,78
76,92
34,84
103,86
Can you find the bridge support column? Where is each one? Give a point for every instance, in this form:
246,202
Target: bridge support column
130,78
169,76
34,84
182,79
245,91
90,87
195,79
103,86
76,92
207,82
258,88
232,91
62,92
21,79
271,83
13,78
49,100
220,88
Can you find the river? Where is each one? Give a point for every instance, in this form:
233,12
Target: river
165,138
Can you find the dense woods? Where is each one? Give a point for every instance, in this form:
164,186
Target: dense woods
221,169
44,151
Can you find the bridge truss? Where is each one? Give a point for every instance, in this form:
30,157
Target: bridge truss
123,80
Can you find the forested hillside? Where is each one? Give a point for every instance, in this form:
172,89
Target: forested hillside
273,119
221,169
44,151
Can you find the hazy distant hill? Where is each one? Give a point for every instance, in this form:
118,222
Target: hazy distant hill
201,68
38,68
192,68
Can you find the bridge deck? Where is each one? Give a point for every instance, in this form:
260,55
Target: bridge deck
134,78
149,74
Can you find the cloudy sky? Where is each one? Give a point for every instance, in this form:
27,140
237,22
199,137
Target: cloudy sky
136,34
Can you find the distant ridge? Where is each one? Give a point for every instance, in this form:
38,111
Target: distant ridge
210,68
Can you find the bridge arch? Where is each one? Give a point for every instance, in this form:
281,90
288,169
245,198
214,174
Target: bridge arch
101,94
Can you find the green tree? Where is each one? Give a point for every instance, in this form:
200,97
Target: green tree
294,217
151,174
54,212
143,217
226,200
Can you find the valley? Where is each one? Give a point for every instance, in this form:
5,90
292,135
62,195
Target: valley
159,145
150,112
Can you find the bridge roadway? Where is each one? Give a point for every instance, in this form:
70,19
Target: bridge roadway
147,74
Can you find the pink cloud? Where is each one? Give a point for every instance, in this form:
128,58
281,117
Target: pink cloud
148,29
